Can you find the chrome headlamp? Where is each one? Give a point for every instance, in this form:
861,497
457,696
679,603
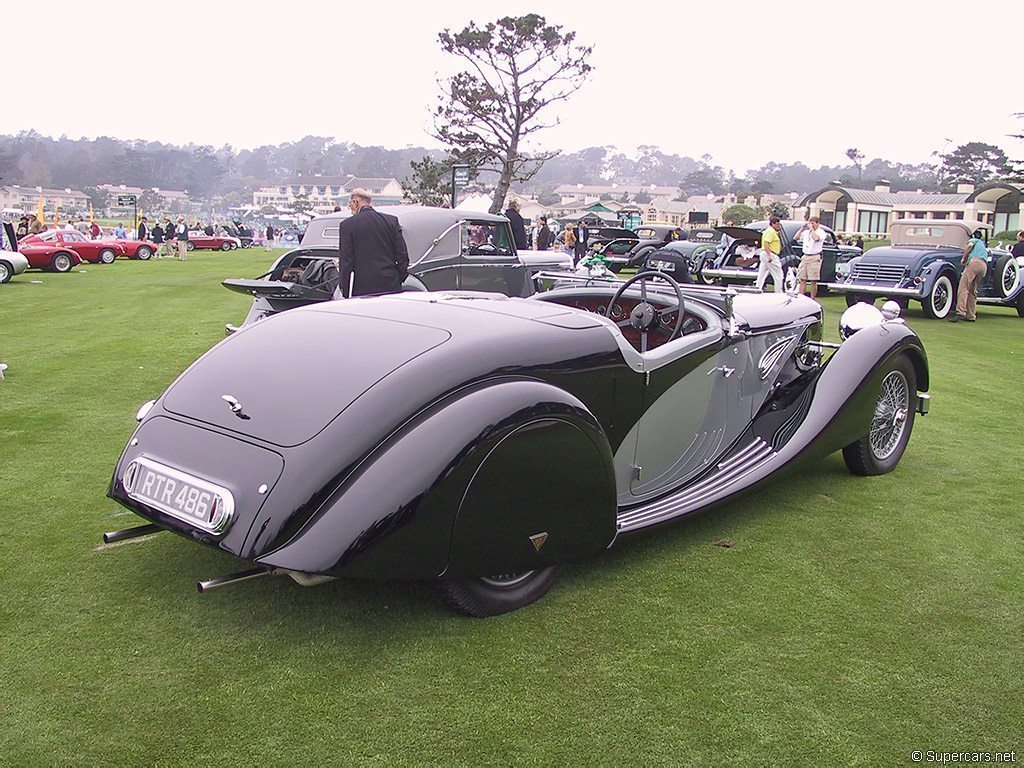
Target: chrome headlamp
858,317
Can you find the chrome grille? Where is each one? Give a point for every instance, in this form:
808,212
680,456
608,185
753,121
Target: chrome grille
889,273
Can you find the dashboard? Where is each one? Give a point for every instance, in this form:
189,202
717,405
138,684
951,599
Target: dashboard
622,309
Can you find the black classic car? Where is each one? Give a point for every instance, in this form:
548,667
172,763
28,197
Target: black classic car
479,441
448,250
923,263
680,257
632,250
738,262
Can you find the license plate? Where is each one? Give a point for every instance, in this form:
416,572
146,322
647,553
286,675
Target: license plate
199,503
664,266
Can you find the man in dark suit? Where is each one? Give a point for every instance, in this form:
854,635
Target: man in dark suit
371,249
518,225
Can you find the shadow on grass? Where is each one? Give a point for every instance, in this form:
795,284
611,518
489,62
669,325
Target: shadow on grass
397,613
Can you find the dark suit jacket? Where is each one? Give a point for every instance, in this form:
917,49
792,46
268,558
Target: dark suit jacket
518,228
371,247
543,238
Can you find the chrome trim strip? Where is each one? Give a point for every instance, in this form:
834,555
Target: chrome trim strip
736,272
434,243
877,289
772,355
729,472
220,516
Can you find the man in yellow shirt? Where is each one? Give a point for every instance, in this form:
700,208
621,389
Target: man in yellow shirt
771,246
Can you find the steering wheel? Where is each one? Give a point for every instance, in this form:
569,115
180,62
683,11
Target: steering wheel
645,317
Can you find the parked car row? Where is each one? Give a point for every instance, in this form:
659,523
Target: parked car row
60,250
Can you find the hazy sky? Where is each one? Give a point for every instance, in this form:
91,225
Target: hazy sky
747,83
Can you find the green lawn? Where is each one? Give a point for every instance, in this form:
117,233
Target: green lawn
853,621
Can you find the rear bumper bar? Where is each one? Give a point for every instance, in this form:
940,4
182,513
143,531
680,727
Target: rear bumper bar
877,290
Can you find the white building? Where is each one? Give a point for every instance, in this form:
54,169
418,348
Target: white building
869,212
326,192
27,198
585,194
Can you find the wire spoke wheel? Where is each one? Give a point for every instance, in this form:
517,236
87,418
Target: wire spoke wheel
880,450
890,419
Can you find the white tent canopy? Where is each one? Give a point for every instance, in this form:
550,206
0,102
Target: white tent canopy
475,204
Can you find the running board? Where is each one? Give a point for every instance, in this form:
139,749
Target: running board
729,472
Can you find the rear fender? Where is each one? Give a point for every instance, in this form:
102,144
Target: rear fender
395,513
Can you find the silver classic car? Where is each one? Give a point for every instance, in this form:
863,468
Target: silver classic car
448,250
11,262
923,264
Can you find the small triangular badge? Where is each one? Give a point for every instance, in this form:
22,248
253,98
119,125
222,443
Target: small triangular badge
538,540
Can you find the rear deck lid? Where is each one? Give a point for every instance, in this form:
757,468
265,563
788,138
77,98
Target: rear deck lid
287,377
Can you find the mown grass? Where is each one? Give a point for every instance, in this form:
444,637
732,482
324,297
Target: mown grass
852,621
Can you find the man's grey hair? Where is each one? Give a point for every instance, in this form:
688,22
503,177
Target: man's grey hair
360,194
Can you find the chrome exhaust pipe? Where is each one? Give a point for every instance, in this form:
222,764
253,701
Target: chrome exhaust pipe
232,578
130,533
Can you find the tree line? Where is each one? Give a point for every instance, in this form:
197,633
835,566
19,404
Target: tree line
30,159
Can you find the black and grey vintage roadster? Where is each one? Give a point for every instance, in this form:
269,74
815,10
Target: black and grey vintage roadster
448,250
480,441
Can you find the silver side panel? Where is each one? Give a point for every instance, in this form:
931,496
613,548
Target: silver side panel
727,473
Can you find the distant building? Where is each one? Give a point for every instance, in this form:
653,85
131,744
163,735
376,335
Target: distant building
704,210
27,198
869,212
325,192
592,193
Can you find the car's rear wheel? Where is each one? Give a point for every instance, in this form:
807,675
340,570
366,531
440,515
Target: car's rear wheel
225,246
191,246
705,279
61,262
1007,276
880,450
107,256
492,595
940,301
6,272
144,253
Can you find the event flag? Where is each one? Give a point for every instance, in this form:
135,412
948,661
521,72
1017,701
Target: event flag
92,216
39,215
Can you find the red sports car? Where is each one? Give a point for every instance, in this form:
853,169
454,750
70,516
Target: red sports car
96,251
136,249
199,239
48,254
